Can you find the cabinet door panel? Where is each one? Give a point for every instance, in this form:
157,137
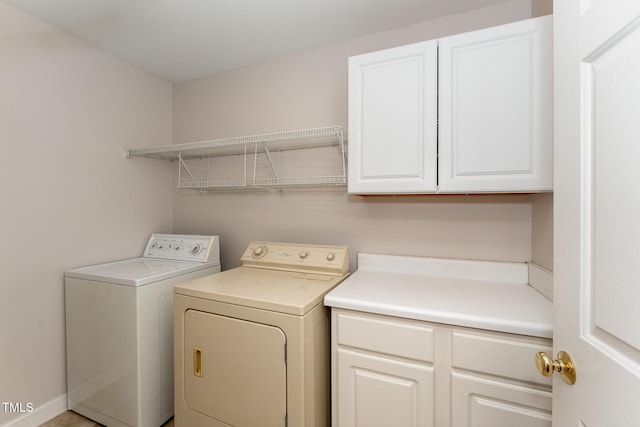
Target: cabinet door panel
496,109
392,120
379,392
481,402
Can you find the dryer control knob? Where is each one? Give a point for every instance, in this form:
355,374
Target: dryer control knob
304,254
196,249
259,252
331,257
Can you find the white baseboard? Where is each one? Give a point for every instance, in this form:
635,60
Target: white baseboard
40,413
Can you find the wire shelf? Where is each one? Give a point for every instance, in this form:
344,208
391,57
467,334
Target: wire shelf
260,168
279,141
265,183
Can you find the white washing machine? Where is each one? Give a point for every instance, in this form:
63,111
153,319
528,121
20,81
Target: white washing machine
119,321
252,343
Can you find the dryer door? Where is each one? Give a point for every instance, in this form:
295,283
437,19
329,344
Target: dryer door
235,370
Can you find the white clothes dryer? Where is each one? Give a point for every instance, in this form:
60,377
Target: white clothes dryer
252,343
119,325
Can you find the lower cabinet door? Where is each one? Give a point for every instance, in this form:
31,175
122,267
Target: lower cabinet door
374,391
484,402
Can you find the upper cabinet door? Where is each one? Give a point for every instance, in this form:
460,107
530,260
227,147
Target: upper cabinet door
392,120
496,109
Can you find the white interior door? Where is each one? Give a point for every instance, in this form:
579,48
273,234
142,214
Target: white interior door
597,210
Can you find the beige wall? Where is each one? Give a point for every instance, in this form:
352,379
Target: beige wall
541,7
69,197
304,90
542,204
542,230
310,90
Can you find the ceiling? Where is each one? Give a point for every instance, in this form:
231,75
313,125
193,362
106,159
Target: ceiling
180,40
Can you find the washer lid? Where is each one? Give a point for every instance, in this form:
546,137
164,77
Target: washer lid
281,291
138,271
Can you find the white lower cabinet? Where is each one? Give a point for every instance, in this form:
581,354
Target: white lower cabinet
380,391
490,402
382,371
494,381
388,371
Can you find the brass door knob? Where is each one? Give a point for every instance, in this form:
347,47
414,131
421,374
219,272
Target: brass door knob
563,364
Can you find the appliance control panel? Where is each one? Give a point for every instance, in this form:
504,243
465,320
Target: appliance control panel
318,259
183,247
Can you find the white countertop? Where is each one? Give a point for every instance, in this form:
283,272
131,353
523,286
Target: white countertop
477,294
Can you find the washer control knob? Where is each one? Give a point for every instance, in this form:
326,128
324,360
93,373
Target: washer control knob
259,252
304,254
196,249
331,257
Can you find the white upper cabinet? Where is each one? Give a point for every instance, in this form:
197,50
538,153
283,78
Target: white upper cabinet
470,113
495,109
392,120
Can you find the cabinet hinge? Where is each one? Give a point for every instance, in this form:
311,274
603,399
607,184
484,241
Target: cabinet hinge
286,421
285,353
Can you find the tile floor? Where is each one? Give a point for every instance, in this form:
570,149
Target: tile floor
71,419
